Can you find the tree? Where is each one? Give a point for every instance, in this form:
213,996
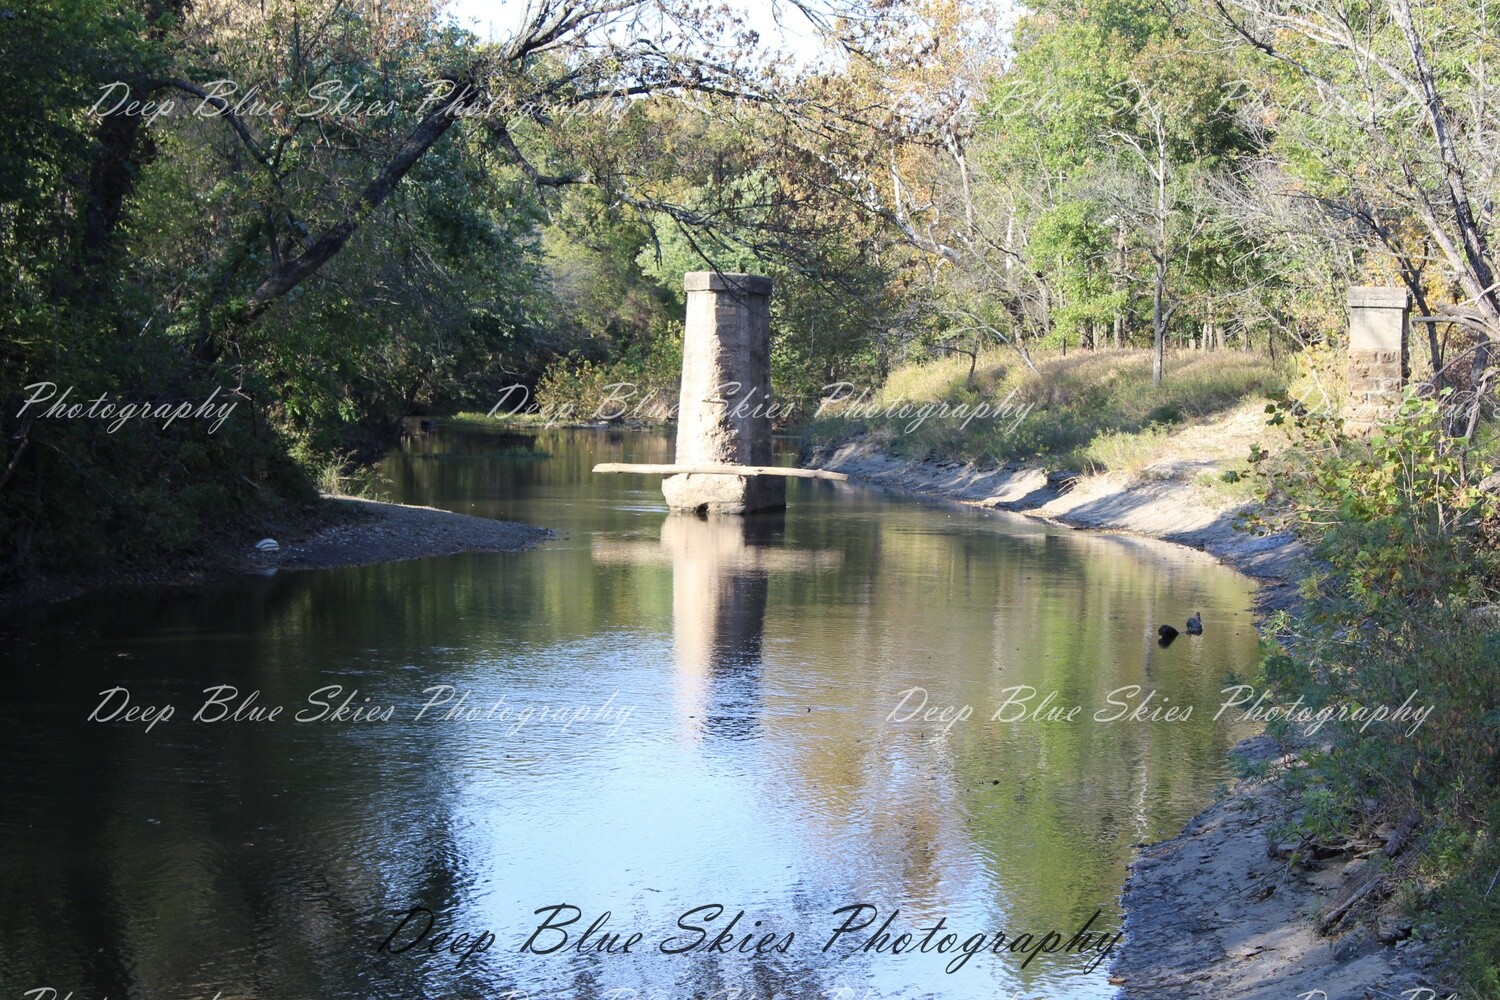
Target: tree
1392,112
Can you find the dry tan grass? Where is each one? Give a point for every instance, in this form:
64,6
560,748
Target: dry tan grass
1096,410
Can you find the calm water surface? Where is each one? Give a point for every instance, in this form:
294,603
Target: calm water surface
667,714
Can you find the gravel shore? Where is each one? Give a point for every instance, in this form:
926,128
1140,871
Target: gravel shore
375,532
342,531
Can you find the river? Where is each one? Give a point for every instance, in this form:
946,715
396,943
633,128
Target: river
665,719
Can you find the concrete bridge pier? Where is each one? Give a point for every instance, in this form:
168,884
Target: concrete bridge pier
724,412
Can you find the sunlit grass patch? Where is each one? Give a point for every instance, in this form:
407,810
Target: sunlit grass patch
1097,408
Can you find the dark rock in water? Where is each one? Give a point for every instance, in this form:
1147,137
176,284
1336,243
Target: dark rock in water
1195,624
1167,632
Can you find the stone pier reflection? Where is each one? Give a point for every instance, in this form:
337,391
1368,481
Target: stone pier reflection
721,569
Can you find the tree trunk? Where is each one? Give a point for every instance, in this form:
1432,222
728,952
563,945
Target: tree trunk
422,138
122,143
1159,287
1479,275
1119,279
1158,323
110,179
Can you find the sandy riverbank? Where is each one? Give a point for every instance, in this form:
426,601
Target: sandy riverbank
343,531
1222,911
1219,912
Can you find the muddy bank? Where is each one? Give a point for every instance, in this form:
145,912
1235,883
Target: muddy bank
341,531
1226,910
1223,911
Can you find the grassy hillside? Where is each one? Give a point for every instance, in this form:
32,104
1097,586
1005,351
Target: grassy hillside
1094,411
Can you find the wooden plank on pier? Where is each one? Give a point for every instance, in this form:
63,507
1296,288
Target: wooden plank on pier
721,470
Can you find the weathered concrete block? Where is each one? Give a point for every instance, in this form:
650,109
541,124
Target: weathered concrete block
1378,319
724,412
1378,355
724,494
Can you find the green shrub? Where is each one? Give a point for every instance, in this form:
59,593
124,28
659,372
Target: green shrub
1396,613
640,387
83,498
